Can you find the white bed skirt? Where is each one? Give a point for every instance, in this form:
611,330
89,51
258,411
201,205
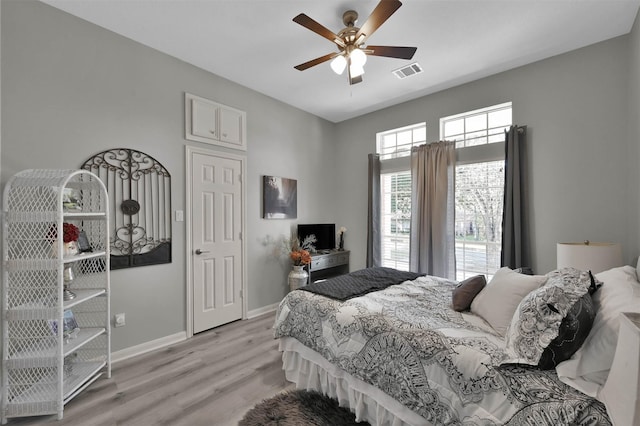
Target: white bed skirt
309,370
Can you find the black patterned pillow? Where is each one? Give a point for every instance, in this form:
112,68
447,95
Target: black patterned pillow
538,318
595,284
574,329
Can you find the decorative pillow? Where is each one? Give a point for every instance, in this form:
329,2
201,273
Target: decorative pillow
466,291
497,302
595,284
536,321
587,370
574,329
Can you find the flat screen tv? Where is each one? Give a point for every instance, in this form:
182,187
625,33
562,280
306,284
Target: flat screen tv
325,235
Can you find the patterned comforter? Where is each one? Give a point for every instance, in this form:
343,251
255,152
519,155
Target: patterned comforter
444,365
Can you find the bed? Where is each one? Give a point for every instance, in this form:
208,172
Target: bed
402,355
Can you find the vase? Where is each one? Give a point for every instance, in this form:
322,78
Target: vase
68,277
298,277
70,248
341,243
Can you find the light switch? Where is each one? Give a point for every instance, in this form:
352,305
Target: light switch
179,216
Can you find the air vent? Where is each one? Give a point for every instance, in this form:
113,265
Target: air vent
408,71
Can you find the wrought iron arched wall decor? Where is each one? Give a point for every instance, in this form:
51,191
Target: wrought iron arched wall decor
139,189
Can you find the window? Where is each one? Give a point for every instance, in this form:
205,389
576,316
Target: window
396,219
478,193
394,147
478,218
398,142
479,188
477,127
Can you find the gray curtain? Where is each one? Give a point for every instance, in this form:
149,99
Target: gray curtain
515,220
432,247
373,215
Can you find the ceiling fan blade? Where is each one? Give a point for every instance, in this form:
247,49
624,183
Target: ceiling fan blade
380,14
318,28
391,51
316,61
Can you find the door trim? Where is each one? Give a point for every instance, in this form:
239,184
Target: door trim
189,151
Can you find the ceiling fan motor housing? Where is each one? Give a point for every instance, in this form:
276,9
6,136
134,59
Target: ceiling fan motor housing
349,18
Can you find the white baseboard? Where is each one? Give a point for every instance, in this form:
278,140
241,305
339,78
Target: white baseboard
263,310
160,343
143,348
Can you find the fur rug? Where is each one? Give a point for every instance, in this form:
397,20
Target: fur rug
299,407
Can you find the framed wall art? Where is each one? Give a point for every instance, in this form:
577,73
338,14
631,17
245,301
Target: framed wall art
139,189
279,198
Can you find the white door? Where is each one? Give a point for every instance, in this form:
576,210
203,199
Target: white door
216,212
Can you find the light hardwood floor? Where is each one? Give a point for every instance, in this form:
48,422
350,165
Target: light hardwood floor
210,379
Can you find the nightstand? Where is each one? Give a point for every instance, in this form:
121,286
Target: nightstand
327,265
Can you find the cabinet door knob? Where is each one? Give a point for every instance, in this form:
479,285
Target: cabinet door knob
198,251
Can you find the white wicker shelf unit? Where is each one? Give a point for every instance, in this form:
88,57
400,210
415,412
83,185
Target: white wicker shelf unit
42,366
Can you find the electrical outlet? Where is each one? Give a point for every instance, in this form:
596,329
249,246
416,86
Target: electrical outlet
119,320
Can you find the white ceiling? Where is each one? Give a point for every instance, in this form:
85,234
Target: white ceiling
255,42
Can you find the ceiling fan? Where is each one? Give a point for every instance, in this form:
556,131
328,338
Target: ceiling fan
352,53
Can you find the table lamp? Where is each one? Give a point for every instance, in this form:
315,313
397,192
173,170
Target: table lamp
589,256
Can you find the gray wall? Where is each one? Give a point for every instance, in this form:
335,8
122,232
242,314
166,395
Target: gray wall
576,108
72,89
633,178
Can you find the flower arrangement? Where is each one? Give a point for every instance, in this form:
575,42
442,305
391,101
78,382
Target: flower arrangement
340,233
70,233
300,257
299,252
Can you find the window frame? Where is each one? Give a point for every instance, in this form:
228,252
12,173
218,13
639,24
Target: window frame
398,162
488,152
403,153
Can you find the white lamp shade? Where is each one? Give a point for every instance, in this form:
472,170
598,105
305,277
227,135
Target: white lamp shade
358,58
356,71
622,389
338,64
588,256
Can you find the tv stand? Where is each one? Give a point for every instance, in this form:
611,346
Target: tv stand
328,263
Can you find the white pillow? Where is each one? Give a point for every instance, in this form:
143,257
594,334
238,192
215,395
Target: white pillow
587,370
498,300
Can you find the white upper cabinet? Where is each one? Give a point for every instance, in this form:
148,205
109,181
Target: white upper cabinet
204,121
231,126
210,122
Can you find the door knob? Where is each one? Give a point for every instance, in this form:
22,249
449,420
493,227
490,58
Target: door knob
198,251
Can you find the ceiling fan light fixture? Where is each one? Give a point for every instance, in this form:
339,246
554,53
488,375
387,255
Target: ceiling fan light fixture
358,57
356,70
338,64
